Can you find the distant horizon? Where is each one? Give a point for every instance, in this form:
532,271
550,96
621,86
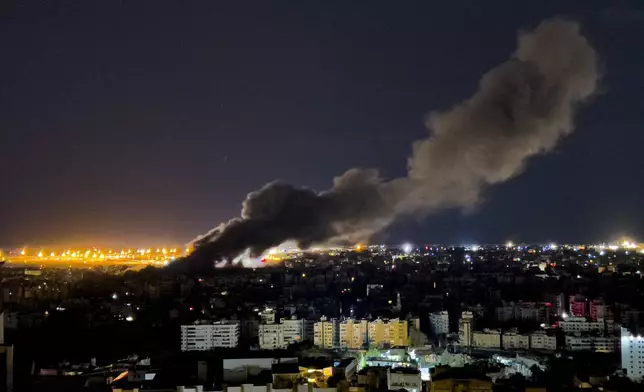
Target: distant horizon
182,246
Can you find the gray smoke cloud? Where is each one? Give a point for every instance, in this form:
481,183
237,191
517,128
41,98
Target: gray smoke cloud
522,108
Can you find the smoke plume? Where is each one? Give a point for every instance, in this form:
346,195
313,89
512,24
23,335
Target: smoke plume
522,108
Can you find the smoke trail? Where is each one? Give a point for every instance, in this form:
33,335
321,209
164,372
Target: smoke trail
522,108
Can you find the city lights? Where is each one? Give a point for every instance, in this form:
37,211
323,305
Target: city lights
91,256
407,247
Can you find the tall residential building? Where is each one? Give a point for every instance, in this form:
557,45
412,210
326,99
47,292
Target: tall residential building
353,334
326,333
632,355
271,336
599,310
288,331
439,323
294,330
578,306
392,332
465,328
558,302
202,336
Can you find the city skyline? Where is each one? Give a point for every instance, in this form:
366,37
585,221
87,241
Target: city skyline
321,196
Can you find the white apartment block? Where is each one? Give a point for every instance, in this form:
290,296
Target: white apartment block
271,336
632,355
288,331
487,339
439,323
294,330
202,337
515,341
541,341
606,344
573,325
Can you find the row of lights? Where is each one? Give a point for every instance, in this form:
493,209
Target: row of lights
96,252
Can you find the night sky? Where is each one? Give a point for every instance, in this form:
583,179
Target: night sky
147,122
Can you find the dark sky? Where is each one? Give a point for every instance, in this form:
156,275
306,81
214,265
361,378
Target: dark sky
133,122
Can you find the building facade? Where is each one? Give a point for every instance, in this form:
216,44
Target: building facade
487,339
632,355
326,333
358,334
577,306
600,344
353,334
271,336
541,341
202,336
294,330
599,310
515,341
573,325
439,323
393,332
465,329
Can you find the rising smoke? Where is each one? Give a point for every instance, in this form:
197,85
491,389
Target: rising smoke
522,108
